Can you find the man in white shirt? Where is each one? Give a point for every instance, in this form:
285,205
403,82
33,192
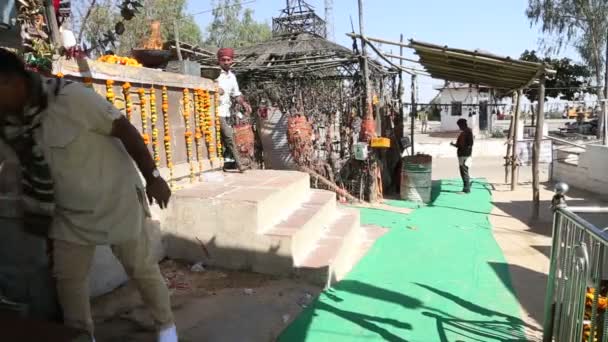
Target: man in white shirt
229,89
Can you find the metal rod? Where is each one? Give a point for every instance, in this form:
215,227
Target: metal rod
378,40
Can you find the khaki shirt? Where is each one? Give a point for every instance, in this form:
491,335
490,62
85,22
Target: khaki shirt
99,194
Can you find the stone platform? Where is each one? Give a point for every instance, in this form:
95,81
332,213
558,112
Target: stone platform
264,221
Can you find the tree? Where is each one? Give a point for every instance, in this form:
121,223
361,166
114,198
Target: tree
104,14
232,26
580,23
570,78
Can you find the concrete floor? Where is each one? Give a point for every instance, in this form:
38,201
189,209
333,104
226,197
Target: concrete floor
526,243
213,305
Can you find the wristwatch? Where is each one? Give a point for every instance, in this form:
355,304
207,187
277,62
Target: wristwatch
155,176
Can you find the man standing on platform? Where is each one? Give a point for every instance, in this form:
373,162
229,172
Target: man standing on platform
229,89
464,146
81,187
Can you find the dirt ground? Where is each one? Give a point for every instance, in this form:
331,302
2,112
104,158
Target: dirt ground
212,305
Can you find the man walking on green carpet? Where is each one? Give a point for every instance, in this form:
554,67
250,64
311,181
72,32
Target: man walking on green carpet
464,151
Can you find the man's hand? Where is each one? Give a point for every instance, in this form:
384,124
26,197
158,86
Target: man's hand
158,190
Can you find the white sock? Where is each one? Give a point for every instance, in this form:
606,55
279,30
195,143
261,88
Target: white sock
168,335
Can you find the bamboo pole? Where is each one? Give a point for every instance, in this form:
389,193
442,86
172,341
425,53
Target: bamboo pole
399,125
508,154
536,150
514,172
413,112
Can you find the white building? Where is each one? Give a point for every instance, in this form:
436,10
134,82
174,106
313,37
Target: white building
474,103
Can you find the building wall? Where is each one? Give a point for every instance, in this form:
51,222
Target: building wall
465,95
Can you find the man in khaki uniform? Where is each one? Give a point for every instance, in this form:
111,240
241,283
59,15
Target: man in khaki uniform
80,184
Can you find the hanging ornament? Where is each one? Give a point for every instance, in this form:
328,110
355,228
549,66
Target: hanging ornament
198,136
126,91
144,115
167,131
110,91
218,137
154,127
188,133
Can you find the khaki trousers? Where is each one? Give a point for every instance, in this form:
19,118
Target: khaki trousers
72,263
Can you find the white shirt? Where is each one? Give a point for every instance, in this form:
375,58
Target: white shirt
99,195
227,82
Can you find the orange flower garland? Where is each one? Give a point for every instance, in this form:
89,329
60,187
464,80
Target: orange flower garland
153,122
198,136
59,75
110,91
126,91
217,126
167,131
188,134
208,125
144,115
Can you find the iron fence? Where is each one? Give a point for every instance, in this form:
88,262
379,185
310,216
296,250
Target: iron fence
577,286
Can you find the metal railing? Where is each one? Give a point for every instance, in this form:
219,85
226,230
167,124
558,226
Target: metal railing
576,303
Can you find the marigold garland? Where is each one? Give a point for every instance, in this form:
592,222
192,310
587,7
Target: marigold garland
208,125
126,91
154,127
198,136
188,134
59,75
110,91
217,126
144,115
167,131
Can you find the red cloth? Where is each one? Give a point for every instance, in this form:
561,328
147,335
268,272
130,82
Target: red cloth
225,52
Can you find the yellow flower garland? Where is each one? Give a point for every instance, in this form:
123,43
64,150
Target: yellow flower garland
198,136
188,134
167,131
110,91
217,126
144,115
153,126
126,91
207,125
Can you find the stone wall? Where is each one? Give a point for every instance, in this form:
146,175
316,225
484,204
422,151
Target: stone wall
587,172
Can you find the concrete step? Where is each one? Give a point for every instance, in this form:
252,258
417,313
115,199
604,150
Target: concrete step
227,214
306,224
342,246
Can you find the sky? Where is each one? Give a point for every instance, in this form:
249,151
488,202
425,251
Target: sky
497,26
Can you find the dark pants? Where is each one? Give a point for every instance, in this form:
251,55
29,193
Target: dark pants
228,142
464,174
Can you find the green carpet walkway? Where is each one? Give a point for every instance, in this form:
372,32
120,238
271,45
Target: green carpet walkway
438,275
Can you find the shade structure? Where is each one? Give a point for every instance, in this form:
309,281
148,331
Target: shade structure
476,67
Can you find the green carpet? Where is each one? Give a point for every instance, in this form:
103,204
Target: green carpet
438,275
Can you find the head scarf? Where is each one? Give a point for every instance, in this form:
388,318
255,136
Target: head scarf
225,52
38,187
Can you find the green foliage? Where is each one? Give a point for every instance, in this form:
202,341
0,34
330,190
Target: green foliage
233,26
570,76
580,23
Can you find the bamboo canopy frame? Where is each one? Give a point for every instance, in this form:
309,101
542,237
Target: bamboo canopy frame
504,74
